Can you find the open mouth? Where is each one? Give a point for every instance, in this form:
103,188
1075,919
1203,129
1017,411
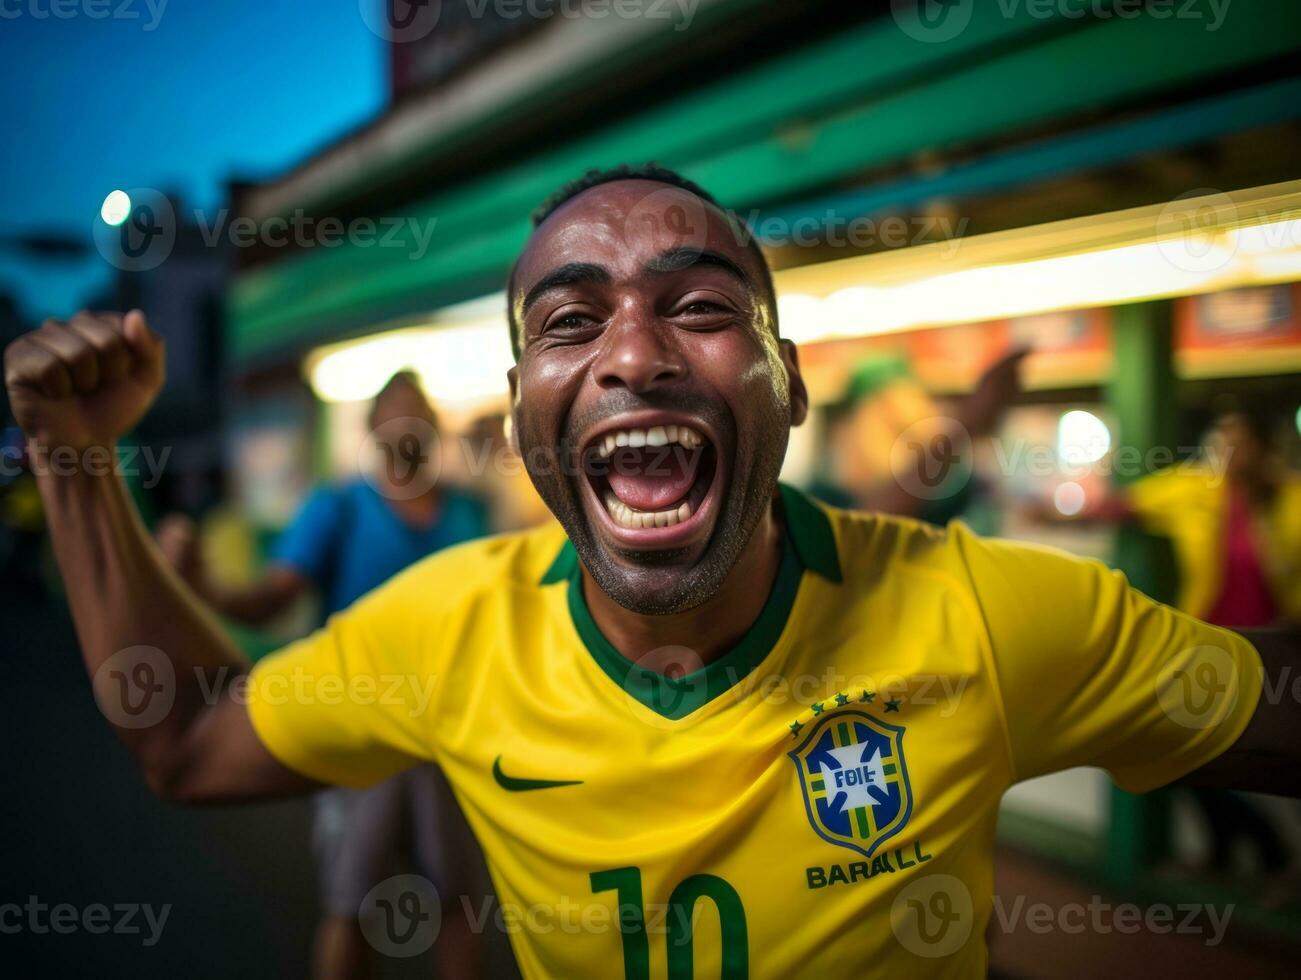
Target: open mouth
653,482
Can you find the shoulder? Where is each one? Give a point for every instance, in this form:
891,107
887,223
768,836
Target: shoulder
870,542
1184,484
1290,487
334,495
464,574
464,503
873,546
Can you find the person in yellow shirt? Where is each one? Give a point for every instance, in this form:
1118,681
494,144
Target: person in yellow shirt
701,725
1234,519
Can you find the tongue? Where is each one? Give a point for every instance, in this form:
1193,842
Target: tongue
653,479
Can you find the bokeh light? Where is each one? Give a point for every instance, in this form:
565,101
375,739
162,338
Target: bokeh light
1082,438
1068,498
116,208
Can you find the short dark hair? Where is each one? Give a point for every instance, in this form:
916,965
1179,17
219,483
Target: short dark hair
406,378
625,171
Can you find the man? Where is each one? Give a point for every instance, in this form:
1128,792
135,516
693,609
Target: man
346,540
881,403
701,731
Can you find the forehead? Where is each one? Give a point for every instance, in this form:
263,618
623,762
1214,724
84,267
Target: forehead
401,398
623,224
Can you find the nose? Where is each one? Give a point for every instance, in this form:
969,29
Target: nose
638,354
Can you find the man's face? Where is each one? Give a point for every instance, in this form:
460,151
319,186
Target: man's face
653,401
405,431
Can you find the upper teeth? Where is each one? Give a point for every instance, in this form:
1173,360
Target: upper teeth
655,436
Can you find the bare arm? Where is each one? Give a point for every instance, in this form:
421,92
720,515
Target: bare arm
263,601
1267,756
75,387
253,605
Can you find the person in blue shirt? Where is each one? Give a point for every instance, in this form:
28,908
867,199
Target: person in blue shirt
348,538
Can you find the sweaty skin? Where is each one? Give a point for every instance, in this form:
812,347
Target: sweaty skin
644,330
644,327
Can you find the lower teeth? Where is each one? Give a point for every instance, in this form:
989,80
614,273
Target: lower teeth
625,516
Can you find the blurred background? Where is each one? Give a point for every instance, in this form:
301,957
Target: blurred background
306,200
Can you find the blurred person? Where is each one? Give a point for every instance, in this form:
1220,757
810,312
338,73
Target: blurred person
347,539
690,693
498,476
862,460
1233,517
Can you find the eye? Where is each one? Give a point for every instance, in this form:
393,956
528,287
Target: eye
702,306
571,326
569,321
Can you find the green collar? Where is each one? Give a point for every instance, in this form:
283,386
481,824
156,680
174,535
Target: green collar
809,543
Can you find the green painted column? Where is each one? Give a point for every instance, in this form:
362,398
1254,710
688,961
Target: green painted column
1142,397
322,433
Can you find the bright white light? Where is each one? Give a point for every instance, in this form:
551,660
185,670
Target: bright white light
992,292
803,318
1082,438
115,208
455,363
1068,498
1277,236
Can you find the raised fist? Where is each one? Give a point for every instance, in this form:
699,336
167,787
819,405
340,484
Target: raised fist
86,381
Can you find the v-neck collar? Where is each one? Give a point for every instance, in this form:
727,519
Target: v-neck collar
808,542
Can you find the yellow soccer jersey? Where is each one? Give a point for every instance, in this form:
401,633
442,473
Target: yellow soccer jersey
820,802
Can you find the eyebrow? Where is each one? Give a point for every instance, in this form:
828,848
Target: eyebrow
671,260
682,257
566,275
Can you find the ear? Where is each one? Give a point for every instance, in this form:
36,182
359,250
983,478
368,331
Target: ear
799,394
512,438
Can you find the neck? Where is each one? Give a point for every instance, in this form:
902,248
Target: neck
709,630
418,508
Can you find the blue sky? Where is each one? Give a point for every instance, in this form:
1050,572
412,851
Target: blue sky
237,88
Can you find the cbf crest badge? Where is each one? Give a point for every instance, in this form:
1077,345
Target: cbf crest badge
855,782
